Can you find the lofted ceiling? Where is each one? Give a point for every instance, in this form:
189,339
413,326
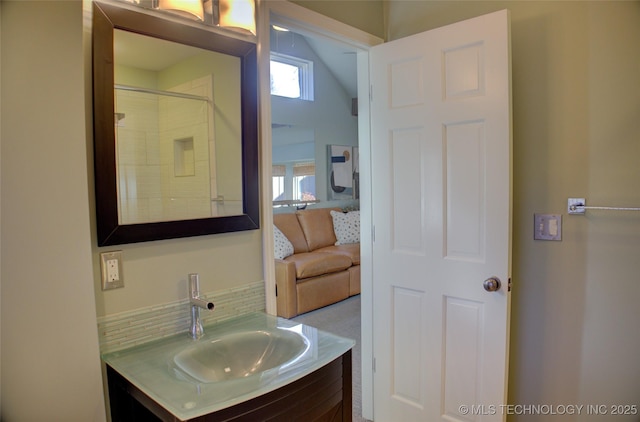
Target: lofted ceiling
340,60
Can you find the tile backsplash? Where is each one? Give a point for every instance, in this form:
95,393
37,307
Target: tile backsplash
127,329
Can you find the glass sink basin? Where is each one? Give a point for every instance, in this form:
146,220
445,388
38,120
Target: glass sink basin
241,355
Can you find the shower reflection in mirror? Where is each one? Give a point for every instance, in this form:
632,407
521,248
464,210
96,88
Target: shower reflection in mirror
167,162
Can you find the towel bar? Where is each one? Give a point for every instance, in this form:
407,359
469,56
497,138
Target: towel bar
577,206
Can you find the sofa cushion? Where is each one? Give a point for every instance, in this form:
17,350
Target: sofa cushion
351,250
317,226
316,292
290,227
346,226
282,246
312,264
354,280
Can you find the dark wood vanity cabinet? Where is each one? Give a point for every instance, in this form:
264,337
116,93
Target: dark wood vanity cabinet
323,396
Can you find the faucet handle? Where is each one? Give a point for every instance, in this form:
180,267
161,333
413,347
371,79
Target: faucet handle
194,284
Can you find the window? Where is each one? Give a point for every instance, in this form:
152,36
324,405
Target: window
291,77
294,182
278,174
304,181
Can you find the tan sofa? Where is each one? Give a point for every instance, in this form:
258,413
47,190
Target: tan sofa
318,273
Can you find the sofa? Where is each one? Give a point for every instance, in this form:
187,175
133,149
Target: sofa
317,259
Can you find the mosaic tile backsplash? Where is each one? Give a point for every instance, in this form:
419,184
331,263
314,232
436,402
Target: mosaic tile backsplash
127,329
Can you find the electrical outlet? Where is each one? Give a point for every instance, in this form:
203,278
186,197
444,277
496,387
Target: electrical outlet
111,266
113,274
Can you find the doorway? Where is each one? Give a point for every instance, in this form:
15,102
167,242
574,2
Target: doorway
307,22
471,47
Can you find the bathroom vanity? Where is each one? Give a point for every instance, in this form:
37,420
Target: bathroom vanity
253,368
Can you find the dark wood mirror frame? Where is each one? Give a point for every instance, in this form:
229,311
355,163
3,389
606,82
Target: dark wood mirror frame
106,18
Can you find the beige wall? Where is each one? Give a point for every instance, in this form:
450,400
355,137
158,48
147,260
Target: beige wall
576,100
50,358
612,285
156,272
366,15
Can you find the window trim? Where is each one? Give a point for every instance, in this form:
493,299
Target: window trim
305,74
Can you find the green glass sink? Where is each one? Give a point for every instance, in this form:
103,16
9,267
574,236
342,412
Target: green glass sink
241,355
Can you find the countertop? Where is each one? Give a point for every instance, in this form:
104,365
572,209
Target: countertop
151,368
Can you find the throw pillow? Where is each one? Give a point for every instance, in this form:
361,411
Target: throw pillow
282,246
346,226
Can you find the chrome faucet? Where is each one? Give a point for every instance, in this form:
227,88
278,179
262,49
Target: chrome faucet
196,330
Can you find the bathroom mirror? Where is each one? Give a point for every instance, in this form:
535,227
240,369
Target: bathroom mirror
175,128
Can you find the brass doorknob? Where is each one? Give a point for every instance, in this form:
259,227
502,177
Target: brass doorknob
492,284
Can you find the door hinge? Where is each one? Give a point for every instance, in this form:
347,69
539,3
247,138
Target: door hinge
373,233
373,365
509,285
276,290
371,93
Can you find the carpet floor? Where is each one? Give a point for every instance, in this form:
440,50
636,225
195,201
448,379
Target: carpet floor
343,319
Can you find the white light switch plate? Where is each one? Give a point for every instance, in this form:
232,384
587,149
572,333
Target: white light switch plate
547,226
111,266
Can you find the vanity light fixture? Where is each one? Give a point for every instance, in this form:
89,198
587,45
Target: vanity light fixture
238,14
189,7
228,14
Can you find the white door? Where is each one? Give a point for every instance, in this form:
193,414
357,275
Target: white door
441,170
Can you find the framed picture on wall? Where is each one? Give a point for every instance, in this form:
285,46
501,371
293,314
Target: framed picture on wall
344,172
